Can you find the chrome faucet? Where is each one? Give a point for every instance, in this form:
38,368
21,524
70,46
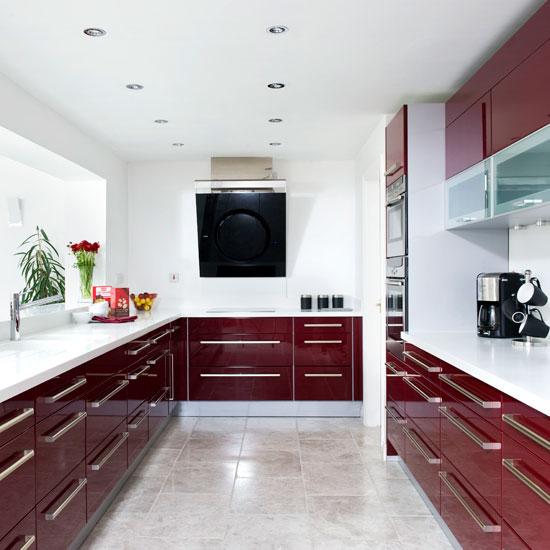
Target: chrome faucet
16,308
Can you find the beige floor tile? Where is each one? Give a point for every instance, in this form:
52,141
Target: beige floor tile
213,427
270,463
369,505
268,426
323,428
330,450
336,480
280,441
138,495
157,463
380,470
201,477
211,449
400,498
418,533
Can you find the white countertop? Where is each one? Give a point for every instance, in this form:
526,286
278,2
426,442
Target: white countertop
523,374
40,356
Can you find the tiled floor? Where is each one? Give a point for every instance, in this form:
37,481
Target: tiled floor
267,483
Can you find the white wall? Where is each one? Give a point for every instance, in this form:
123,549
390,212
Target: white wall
321,232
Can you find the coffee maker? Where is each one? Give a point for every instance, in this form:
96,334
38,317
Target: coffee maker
497,304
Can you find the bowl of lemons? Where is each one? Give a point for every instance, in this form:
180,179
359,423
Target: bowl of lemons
144,300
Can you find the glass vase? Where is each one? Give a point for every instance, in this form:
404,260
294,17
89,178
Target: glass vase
86,275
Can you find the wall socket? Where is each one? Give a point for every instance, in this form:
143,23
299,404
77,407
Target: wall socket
174,277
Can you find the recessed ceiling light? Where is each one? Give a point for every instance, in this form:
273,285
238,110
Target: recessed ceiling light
161,121
275,85
134,86
275,143
275,120
277,29
178,144
95,32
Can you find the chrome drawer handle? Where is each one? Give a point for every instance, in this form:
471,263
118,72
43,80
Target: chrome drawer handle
161,396
322,341
394,371
172,378
510,419
26,456
73,421
175,329
461,425
119,387
156,339
109,452
239,342
510,465
240,375
157,359
466,393
145,344
137,373
397,419
326,375
77,384
414,439
71,494
423,394
420,363
395,325
323,325
135,425
485,527
28,541
23,415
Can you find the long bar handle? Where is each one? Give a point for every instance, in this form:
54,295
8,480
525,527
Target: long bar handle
397,419
157,358
77,384
161,396
28,541
322,341
420,447
461,425
394,371
145,345
74,420
71,494
510,465
425,366
466,393
119,387
391,282
156,339
393,169
239,342
172,378
485,527
510,419
240,375
325,375
110,452
14,420
322,325
133,425
139,372
25,457
423,394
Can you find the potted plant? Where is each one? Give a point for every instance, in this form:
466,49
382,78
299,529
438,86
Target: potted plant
85,253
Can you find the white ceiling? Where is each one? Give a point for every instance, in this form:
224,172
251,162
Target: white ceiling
205,66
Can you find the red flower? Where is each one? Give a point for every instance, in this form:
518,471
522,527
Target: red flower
85,246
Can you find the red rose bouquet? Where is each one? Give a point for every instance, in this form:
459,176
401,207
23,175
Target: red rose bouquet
85,253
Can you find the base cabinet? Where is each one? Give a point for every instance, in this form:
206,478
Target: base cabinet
323,383
23,535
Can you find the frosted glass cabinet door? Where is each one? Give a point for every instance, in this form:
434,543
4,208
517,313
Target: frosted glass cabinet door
522,173
467,196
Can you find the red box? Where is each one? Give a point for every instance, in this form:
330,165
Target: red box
118,299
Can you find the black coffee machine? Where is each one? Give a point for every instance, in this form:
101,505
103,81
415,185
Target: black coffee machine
497,304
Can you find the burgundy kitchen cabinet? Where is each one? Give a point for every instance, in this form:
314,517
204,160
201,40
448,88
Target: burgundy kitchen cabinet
357,359
179,365
138,431
468,138
323,384
521,101
329,326
323,350
238,325
396,146
511,540
16,416
23,535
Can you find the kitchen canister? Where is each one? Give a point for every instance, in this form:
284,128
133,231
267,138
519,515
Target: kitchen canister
306,302
337,301
322,302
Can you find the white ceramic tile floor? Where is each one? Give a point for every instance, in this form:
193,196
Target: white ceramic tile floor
267,483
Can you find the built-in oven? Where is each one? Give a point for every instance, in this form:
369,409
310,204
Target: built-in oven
396,218
396,303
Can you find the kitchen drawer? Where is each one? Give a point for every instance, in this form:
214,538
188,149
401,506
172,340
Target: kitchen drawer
304,326
240,384
423,459
526,493
103,367
178,347
138,431
417,361
396,389
60,446
422,401
320,349
511,540
158,410
473,446
17,483
323,383
221,350
105,467
22,536
527,426
472,521
234,326
395,422
16,416
59,392
61,515
107,407
480,398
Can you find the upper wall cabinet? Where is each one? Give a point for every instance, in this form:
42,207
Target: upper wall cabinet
468,138
521,101
396,146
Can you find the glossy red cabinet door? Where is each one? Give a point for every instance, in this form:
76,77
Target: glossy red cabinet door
17,484
16,416
323,384
521,101
319,349
60,446
158,410
138,431
422,402
61,515
468,138
325,326
23,535
238,325
395,422
511,540
396,146
178,347
59,392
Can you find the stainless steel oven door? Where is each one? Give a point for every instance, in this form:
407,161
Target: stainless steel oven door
396,227
396,298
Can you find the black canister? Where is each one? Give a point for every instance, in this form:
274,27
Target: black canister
337,301
322,301
306,302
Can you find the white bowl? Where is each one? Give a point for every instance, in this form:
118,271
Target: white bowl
82,317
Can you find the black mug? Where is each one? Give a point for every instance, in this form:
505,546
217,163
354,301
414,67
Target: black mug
531,326
530,293
513,311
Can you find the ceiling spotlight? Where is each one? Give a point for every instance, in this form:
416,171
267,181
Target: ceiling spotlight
275,143
161,121
275,120
277,29
95,32
134,86
178,144
275,85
